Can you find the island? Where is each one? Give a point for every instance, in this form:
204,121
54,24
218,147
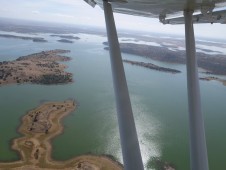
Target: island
152,66
38,127
37,68
213,64
210,78
66,37
65,41
34,39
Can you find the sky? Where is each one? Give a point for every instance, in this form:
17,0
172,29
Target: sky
79,13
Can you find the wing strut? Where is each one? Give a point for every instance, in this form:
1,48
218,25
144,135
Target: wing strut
128,135
198,151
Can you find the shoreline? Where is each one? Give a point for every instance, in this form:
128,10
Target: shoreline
38,128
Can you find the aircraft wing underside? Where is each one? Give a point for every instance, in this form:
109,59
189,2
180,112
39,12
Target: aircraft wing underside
170,11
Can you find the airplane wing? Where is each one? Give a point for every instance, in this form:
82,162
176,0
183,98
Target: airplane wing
170,11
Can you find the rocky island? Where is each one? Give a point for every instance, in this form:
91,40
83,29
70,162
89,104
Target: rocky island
37,68
152,66
38,127
34,39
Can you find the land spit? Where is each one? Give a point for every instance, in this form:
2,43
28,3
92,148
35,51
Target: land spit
39,126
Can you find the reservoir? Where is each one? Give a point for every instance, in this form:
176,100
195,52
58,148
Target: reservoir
159,102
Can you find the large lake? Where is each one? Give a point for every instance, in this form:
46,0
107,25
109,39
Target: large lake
159,102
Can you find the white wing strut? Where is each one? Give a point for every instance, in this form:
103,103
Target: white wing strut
198,151
128,135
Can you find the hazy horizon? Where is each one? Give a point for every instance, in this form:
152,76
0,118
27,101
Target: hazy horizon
74,12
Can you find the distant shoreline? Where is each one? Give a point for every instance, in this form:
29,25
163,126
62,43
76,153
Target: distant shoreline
215,65
34,39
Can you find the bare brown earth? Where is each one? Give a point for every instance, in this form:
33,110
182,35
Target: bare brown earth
38,68
39,126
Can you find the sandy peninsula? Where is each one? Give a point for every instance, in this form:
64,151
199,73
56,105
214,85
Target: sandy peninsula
39,126
37,68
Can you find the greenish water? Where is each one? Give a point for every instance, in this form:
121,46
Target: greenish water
159,102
